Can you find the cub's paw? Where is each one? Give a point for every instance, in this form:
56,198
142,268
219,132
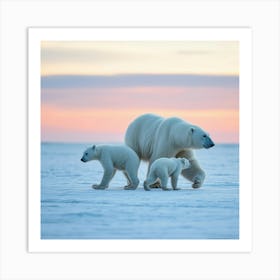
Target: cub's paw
146,188
98,187
130,188
165,189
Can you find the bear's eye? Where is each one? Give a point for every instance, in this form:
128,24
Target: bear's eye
204,135
86,154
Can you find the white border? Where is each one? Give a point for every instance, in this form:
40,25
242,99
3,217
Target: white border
242,35
262,16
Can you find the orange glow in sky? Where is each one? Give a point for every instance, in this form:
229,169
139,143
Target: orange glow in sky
98,124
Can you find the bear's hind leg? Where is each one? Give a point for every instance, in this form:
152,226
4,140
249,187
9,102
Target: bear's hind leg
156,183
132,180
150,181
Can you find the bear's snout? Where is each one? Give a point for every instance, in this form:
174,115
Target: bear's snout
83,160
209,144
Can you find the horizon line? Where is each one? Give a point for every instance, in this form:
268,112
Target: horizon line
130,80
116,142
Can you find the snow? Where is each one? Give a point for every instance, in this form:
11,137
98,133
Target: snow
71,209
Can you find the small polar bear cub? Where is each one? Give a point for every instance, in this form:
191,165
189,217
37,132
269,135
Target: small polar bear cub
163,168
113,158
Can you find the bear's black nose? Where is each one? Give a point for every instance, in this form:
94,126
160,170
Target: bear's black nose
82,160
210,145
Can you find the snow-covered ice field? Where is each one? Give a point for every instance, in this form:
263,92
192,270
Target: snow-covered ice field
71,209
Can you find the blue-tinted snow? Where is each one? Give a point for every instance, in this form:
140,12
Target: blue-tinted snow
71,209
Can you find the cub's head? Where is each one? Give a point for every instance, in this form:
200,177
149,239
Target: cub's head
200,139
89,154
185,163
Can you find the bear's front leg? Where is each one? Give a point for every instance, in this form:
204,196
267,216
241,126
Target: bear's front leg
163,182
174,180
107,176
194,173
99,187
198,180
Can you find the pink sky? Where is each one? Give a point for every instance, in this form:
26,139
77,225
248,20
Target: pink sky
110,125
103,114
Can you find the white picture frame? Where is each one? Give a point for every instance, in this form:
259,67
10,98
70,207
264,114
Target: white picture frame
261,262
242,36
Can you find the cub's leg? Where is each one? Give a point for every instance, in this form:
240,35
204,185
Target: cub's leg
132,180
156,184
107,177
163,181
151,180
174,181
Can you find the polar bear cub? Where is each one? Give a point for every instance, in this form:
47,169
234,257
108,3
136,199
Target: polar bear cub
163,168
113,158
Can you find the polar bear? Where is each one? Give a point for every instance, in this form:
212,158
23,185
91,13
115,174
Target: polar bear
153,137
163,168
113,158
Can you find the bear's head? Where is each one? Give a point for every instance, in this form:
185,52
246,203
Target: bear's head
199,138
185,163
89,154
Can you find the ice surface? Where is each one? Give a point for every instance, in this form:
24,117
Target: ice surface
71,209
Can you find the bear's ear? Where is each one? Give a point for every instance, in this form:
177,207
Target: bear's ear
191,130
93,147
185,162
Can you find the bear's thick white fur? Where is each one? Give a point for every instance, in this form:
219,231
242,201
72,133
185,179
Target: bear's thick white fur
163,168
153,137
112,158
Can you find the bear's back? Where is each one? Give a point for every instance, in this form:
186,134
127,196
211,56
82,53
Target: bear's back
119,154
168,165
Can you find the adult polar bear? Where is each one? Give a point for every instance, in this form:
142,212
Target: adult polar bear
153,137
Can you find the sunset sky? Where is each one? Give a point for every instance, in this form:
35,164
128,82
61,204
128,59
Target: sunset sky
91,91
